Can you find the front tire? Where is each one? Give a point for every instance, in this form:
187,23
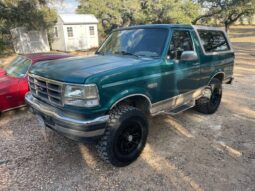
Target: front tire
125,136
210,105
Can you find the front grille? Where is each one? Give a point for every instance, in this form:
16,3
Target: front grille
46,89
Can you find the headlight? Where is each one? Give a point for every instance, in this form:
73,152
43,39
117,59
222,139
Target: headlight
81,96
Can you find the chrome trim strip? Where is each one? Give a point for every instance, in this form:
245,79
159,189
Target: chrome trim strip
60,116
171,103
189,105
14,108
175,101
132,95
37,82
57,82
45,79
77,133
62,90
216,75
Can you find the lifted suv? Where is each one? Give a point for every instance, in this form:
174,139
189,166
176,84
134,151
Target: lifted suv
138,71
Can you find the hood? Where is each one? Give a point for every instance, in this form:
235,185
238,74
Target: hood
78,69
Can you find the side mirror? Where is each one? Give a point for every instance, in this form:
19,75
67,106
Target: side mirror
189,56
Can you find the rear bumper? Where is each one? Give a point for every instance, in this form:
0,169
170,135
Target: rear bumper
77,128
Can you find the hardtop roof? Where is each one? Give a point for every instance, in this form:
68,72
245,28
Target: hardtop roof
169,26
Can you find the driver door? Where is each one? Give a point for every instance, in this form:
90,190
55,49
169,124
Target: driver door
187,73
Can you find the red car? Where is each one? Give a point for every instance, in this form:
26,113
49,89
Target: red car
13,78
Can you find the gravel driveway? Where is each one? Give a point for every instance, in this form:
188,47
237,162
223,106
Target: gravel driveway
186,152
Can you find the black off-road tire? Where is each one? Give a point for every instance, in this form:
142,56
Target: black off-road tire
209,106
118,136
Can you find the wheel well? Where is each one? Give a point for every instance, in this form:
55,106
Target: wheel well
141,102
219,76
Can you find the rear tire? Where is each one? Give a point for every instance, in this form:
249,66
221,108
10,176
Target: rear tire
125,136
209,106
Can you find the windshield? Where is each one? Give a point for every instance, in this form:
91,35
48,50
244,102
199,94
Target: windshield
136,42
18,67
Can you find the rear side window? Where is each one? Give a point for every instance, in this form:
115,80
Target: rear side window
213,41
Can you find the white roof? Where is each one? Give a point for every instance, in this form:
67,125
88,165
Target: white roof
78,18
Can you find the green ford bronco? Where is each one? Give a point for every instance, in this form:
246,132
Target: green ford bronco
138,72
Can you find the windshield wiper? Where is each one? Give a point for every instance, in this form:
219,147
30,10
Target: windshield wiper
127,53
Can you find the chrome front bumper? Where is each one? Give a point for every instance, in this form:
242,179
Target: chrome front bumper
72,126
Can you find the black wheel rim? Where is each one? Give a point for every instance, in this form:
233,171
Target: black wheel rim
130,139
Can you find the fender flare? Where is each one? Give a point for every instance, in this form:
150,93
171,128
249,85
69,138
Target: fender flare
131,95
219,72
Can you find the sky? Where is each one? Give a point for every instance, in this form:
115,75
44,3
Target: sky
68,6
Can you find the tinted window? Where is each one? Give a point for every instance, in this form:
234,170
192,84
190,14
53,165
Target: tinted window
141,42
181,41
213,41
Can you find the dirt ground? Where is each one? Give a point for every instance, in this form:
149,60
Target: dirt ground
187,152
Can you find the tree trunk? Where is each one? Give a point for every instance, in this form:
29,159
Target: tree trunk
226,27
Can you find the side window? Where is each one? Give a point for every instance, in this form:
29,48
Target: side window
181,41
70,31
91,31
213,41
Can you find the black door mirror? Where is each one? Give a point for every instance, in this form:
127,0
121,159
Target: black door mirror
189,56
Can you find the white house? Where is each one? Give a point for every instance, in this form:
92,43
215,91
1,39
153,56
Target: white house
75,32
